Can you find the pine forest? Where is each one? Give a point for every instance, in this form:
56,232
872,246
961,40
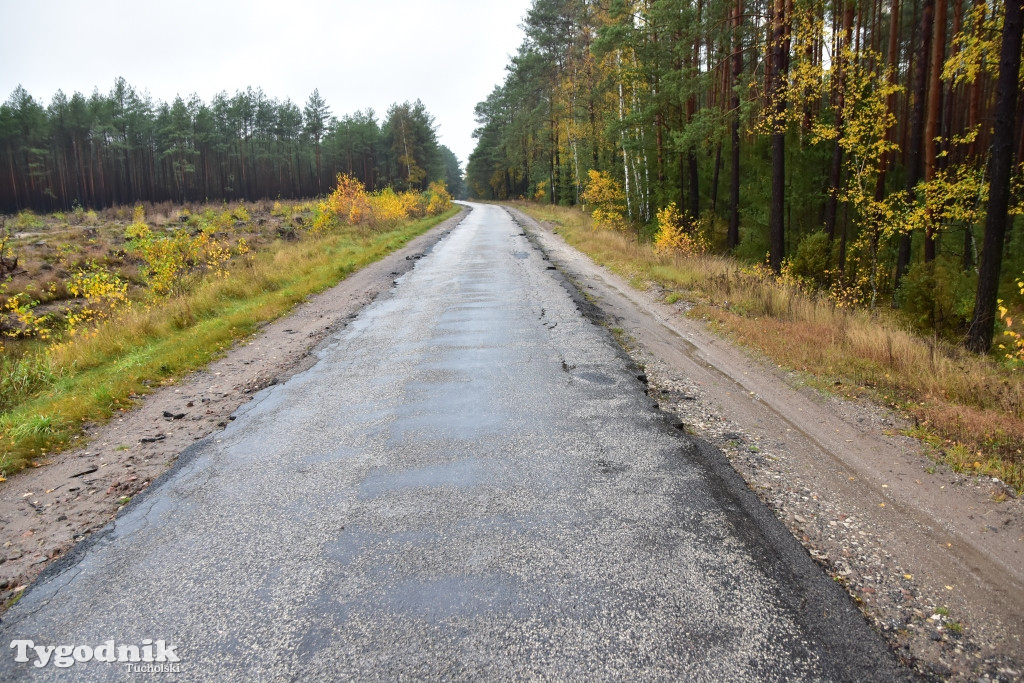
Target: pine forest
869,150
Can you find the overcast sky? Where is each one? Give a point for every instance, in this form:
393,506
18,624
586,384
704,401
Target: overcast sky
360,54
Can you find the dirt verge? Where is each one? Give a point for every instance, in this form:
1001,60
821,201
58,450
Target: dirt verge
933,560
45,511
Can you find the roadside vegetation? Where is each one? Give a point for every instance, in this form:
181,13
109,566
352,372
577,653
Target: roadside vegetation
876,149
98,307
839,185
968,407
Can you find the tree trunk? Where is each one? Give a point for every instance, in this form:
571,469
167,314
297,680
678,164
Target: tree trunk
776,218
691,160
973,106
890,101
835,173
622,116
556,184
659,120
974,102
934,120
979,337
916,128
691,110
733,236
950,99
715,176
551,157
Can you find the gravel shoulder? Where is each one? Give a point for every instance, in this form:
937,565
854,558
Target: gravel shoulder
45,511
933,561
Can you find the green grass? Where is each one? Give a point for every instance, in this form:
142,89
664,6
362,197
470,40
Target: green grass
89,378
13,600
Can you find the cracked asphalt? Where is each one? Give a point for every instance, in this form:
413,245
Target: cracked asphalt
469,484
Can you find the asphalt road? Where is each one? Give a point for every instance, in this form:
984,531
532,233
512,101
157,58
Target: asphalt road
469,484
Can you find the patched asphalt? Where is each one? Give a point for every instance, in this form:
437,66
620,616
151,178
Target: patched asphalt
470,484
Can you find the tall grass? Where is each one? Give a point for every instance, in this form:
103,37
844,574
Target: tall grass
970,408
22,374
90,377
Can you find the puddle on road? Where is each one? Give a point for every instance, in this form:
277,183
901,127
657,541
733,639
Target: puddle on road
452,596
353,542
595,377
611,467
444,410
464,473
339,453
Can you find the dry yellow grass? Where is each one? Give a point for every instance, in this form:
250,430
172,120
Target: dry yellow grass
970,408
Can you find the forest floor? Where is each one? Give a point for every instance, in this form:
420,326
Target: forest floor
47,509
934,558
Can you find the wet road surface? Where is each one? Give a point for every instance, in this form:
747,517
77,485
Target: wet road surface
470,484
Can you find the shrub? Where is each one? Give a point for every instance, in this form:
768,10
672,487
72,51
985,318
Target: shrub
608,200
1013,346
938,297
22,319
812,263
169,260
105,294
386,208
349,204
438,199
26,220
678,234
413,204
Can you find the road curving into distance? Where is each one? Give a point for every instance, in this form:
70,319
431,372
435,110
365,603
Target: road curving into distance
469,484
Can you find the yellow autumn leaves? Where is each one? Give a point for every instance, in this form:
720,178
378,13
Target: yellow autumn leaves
350,204
1014,350
678,233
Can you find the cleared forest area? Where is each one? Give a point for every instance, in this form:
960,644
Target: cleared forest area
143,237
101,306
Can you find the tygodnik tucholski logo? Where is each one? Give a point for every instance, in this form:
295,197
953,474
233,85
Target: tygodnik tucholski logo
152,656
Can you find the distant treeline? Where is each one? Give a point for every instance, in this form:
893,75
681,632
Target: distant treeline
124,147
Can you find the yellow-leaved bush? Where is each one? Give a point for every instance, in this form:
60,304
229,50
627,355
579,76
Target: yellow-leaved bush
105,294
605,195
27,323
387,208
438,199
1014,350
172,262
347,204
677,234
350,204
